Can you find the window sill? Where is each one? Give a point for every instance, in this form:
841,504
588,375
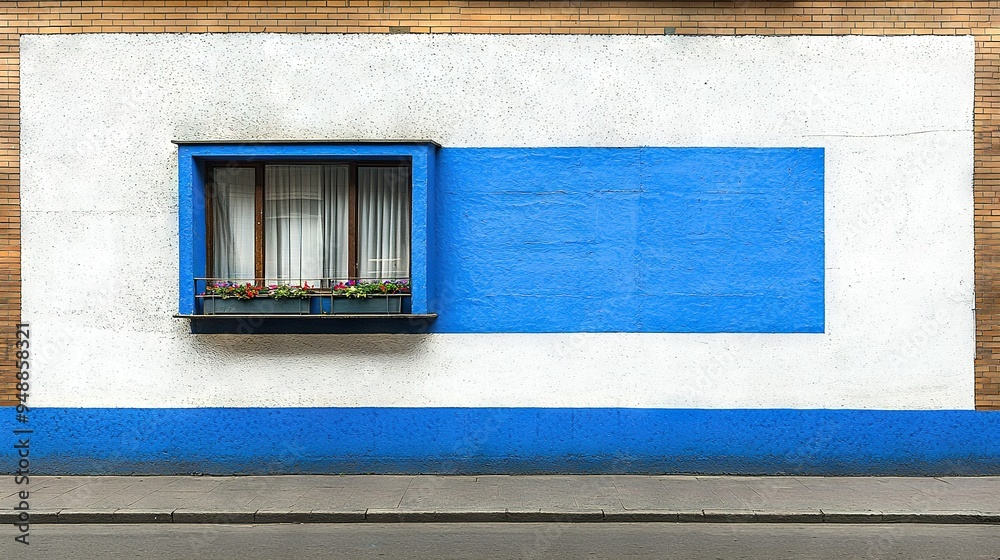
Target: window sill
391,323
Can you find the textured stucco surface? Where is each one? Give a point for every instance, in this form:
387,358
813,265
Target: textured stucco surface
99,204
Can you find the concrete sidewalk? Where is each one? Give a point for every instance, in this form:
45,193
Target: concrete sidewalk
388,499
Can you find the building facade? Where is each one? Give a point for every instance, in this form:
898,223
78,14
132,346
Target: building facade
711,237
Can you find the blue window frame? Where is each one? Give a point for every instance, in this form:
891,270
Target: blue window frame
195,158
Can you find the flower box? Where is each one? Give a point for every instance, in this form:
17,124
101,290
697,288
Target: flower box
255,306
367,306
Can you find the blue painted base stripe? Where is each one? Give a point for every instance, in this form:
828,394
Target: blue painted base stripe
510,440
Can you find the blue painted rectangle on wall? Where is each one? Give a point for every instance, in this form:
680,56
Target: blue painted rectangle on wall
630,240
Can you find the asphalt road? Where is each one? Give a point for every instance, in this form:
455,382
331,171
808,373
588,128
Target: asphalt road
508,540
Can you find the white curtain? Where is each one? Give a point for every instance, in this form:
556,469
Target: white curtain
383,222
233,223
305,223
306,210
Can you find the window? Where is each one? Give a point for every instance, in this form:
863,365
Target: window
289,211
315,222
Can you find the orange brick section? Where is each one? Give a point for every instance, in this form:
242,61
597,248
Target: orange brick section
445,16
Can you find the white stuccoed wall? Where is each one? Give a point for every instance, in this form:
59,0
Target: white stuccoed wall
99,204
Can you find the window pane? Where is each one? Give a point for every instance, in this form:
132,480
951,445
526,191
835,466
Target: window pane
384,222
305,223
233,223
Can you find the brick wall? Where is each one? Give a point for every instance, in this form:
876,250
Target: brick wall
445,16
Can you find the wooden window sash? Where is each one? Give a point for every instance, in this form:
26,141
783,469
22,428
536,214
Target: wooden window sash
258,234
210,223
352,221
